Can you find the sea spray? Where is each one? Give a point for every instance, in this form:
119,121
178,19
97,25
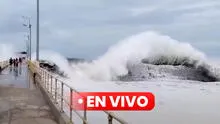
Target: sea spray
148,47
56,58
133,50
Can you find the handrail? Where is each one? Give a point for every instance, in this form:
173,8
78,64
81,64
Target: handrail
56,87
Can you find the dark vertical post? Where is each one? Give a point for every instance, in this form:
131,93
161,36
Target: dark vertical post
48,82
55,90
51,87
62,96
28,45
44,78
85,113
71,103
110,119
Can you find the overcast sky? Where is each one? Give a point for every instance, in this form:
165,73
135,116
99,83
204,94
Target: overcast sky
86,28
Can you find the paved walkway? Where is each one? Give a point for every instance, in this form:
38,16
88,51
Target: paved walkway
20,101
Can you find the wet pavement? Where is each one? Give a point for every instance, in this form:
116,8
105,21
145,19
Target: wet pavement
16,77
21,102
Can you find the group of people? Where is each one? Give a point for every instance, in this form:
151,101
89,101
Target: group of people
15,61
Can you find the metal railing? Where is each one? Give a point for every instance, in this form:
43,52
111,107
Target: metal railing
58,90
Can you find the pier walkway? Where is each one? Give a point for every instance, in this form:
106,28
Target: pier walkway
30,94
21,102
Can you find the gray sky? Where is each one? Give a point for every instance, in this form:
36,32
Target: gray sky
86,28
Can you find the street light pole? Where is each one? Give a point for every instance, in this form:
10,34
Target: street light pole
37,44
28,48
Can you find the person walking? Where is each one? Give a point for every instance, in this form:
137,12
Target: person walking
20,60
16,62
10,61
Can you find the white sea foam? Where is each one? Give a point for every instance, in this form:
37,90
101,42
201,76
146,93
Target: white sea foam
134,49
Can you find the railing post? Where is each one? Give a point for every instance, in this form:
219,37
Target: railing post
51,85
62,96
110,118
84,112
44,79
42,74
56,90
48,82
71,102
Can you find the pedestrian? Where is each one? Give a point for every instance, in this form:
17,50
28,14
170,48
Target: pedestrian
10,61
20,60
16,62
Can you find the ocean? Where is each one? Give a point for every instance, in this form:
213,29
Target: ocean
184,80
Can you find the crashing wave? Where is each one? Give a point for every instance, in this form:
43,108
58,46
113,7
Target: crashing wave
147,47
150,50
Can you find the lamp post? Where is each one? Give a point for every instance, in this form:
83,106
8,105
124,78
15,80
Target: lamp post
27,48
30,33
37,43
